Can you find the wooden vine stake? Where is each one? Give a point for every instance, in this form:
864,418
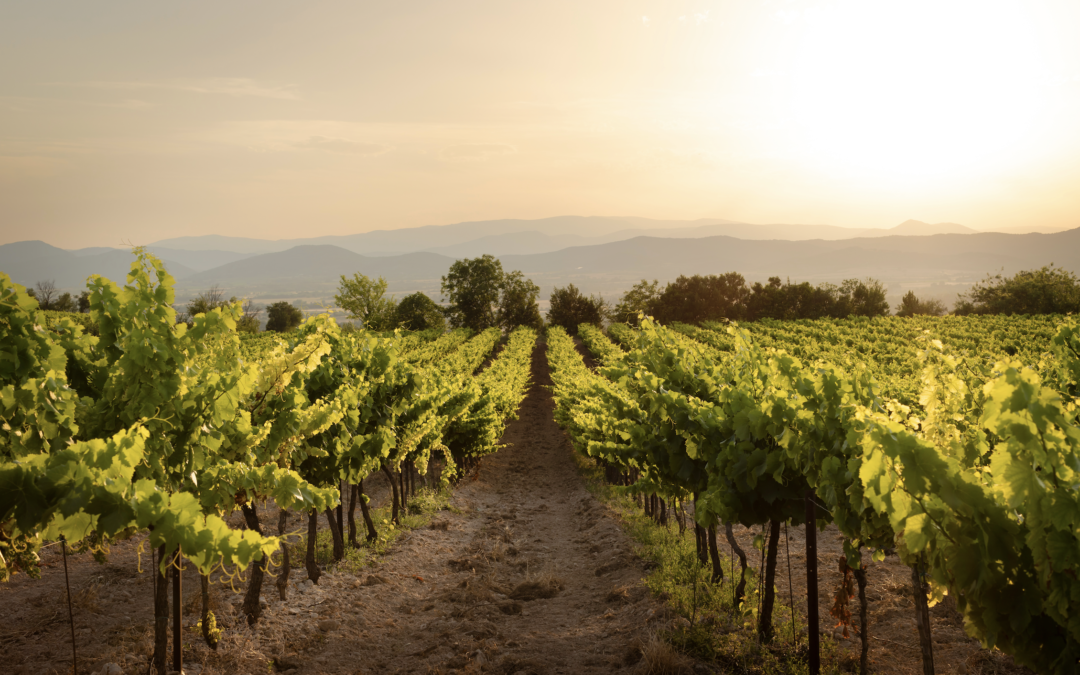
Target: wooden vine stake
922,618
811,586
790,587
178,628
71,614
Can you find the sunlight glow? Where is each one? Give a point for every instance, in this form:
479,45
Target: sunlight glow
916,91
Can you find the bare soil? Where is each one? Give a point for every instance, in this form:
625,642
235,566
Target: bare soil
526,573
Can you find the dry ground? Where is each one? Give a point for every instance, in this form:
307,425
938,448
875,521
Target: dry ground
526,573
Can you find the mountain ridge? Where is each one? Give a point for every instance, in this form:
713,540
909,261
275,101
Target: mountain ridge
612,267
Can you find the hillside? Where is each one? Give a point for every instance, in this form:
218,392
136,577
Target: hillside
314,270
545,235
28,262
317,269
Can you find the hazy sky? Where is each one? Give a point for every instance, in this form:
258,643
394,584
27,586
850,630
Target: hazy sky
133,121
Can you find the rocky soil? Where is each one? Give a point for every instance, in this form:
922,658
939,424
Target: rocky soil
525,573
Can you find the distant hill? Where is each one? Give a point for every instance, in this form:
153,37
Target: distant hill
613,267
917,228
894,258
318,269
522,237
28,262
198,261
610,268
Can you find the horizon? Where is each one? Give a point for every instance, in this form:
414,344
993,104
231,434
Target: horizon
659,224
331,119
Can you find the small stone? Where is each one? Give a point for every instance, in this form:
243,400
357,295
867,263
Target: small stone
111,669
327,625
287,663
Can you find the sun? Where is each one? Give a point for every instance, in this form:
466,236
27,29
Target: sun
915,91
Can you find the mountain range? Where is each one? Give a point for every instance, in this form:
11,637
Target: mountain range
519,237
313,270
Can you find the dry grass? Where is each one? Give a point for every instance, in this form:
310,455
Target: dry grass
660,658
545,584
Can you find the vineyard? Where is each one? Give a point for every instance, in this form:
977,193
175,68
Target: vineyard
153,427
952,443
949,444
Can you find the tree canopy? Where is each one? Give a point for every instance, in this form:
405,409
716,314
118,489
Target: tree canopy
213,298
703,298
640,299
519,303
727,296
472,286
483,296
283,317
419,312
569,309
364,300
911,305
1050,290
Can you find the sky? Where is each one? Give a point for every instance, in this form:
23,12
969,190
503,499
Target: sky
125,122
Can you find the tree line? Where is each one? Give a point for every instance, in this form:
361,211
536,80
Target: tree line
698,298
480,294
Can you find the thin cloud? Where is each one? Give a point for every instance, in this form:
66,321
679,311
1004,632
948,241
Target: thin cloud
27,102
476,151
228,86
645,21
342,145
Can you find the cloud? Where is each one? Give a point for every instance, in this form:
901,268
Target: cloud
702,18
476,151
645,21
342,145
229,86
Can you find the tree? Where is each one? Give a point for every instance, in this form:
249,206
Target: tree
249,322
44,291
861,298
84,302
65,303
206,301
363,299
640,299
473,287
519,305
418,312
283,317
570,309
703,298
214,298
1050,290
910,305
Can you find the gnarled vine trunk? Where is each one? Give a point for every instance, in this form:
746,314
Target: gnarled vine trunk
286,567
741,588
251,608
309,559
765,623
372,534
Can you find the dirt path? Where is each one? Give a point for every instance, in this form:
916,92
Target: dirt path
468,592
523,575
